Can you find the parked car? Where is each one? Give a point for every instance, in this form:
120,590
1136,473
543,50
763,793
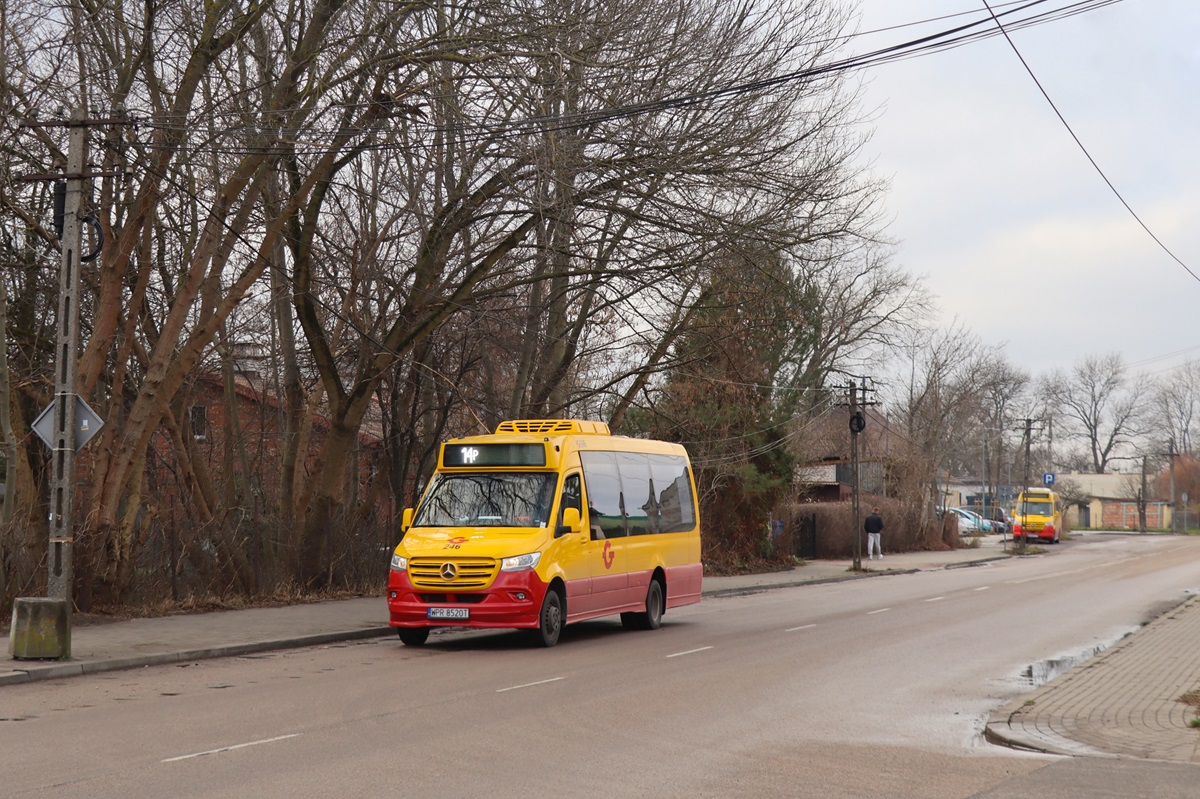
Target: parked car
968,522
985,524
1001,519
997,519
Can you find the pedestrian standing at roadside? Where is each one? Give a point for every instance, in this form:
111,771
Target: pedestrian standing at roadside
874,527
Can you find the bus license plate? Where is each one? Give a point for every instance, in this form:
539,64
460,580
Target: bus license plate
449,613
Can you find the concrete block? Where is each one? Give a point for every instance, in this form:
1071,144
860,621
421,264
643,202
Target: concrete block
41,629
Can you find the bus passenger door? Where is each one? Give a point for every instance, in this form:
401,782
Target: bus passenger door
571,551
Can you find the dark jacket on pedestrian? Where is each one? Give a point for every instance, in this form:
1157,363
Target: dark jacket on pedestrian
874,523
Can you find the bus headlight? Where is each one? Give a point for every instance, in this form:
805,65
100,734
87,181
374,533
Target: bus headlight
520,562
399,563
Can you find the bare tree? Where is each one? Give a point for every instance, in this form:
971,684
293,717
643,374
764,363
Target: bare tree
1176,400
1103,407
435,213
939,405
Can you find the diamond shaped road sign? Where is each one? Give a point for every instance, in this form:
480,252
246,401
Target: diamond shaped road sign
87,424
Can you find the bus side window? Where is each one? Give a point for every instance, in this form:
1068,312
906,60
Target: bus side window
674,504
572,497
637,505
606,513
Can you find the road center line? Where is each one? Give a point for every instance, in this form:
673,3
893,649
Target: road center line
689,652
528,684
935,599
231,748
881,610
801,627
1049,576
983,588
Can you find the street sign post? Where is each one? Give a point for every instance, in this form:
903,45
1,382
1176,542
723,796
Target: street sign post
87,424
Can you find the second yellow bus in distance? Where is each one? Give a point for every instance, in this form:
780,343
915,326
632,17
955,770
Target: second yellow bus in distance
1038,514
543,523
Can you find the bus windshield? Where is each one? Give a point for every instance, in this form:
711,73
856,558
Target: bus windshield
1034,508
488,499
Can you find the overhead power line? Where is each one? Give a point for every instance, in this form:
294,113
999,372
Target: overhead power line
1084,149
1018,17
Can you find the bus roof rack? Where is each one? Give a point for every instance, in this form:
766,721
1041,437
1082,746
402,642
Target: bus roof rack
547,426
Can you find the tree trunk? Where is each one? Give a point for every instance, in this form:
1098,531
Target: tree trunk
312,571
6,426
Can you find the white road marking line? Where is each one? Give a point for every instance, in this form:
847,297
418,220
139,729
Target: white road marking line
528,684
983,588
231,748
689,652
935,599
881,610
1043,577
801,627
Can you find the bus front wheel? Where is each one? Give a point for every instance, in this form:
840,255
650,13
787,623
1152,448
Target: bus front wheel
550,620
413,636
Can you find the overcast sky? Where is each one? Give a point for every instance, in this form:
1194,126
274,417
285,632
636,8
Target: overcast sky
998,209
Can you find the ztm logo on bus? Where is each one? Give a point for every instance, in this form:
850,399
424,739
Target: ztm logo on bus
458,539
470,454
608,555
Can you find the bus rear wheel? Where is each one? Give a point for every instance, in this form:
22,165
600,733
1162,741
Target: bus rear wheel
651,619
413,636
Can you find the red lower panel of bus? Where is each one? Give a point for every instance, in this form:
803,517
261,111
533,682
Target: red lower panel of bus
515,598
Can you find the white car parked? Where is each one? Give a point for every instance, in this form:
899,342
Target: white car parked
969,521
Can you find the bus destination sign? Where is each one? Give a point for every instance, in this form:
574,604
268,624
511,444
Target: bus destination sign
467,455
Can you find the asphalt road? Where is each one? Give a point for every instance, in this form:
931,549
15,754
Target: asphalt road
875,688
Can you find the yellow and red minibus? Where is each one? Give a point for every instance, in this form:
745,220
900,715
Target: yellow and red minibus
1038,514
543,523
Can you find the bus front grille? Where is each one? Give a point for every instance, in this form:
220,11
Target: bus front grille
460,574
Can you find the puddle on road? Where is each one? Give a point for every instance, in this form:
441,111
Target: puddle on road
1042,672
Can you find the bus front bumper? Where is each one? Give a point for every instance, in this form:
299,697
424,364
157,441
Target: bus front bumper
513,600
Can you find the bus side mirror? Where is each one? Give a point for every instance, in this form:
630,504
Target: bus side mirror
571,522
406,521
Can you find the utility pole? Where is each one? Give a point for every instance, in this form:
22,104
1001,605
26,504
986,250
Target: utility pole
1025,489
856,421
41,628
983,493
62,480
1050,444
1171,455
1142,500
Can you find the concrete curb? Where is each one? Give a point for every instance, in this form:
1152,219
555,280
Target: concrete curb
999,731
54,670
757,589
982,561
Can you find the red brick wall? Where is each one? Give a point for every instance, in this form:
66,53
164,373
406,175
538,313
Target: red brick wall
1123,515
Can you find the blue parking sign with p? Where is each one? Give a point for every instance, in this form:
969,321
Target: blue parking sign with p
1048,479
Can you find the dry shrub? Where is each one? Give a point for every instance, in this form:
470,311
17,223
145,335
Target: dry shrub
185,567
902,530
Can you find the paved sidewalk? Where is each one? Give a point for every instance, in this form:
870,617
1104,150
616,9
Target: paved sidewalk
109,646
1124,702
